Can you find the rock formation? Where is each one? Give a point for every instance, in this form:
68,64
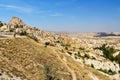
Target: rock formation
16,22
77,54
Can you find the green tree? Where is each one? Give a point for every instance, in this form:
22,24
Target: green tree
1,24
107,51
117,58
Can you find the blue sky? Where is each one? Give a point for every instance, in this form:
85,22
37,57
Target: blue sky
65,15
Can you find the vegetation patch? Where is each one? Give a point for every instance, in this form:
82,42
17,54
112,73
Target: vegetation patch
51,72
81,48
117,58
23,33
70,53
65,45
86,56
92,65
33,37
108,53
1,24
110,72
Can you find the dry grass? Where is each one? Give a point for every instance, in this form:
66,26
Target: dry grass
23,57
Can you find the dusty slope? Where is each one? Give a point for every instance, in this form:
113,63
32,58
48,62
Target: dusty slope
24,58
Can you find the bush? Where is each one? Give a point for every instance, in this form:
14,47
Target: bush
117,58
119,71
58,41
92,65
110,72
65,45
23,33
47,43
87,56
51,72
75,57
11,30
69,53
81,48
79,54
66,48
1,24
93,58
107,51
33,37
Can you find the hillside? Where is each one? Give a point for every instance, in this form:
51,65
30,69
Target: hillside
25,59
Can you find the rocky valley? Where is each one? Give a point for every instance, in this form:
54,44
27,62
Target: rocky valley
35,54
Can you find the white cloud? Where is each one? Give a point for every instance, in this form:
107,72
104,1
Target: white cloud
16,8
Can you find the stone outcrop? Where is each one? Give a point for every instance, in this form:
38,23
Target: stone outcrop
16,22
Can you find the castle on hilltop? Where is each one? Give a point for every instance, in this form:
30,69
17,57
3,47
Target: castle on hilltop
14,23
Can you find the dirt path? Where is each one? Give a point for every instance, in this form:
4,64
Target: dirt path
10,36
92,76
69,69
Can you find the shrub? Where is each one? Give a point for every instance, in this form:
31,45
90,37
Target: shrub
75,57
65,45
1,24
79,54
87,56
58,41
117,58
20,26
110,72
75,54
47,43
33,37
93,58
51,72
11,30
92,65
69,53
81,48
66,48
22,33
107,51
119,71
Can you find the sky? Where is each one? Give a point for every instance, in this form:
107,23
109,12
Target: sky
65,15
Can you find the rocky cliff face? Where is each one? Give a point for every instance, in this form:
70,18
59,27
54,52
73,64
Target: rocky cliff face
15,21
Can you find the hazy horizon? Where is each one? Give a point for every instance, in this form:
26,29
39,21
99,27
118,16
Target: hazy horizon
65,15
